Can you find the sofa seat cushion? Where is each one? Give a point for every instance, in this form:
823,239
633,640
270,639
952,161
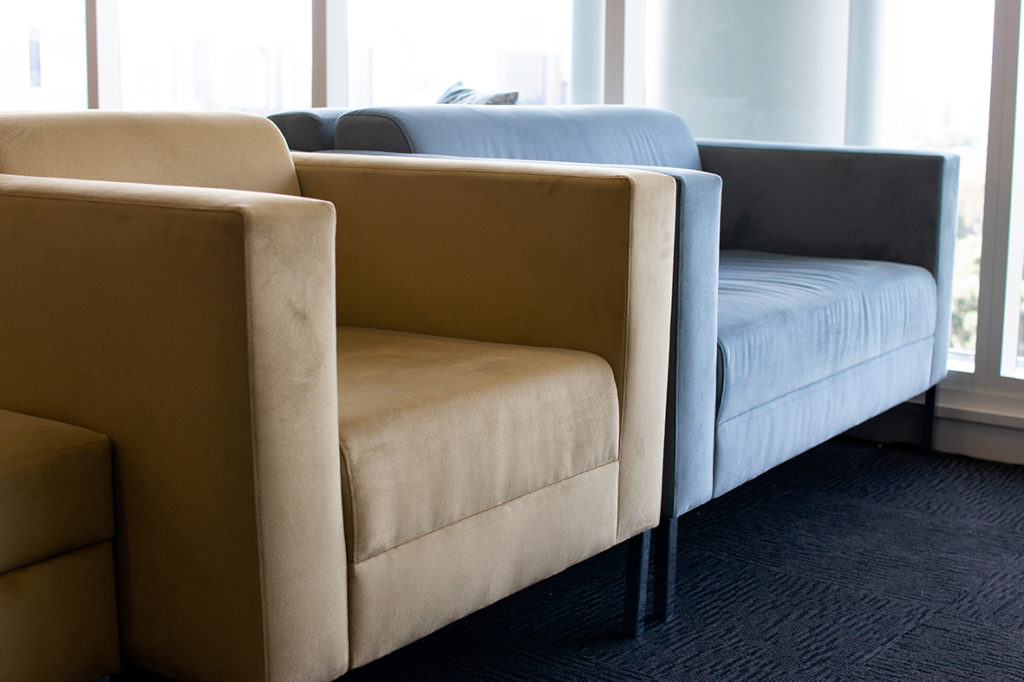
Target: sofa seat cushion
786,322
434,430
55,489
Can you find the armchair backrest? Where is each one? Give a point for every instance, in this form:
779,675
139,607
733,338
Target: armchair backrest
581,133
226,150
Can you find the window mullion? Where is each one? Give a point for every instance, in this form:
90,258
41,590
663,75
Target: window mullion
103,54
999,174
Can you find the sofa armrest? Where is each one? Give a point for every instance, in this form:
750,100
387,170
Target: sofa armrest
195,327
843,202
690,415
566,256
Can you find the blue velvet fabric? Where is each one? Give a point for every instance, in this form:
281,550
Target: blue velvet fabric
786,322
308,130
590,134
841,202
690,410
755,441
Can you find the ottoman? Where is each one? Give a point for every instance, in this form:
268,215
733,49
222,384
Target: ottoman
58,613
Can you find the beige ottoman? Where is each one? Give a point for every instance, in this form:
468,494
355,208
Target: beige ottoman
58,615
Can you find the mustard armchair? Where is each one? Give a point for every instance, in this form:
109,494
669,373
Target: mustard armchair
349,399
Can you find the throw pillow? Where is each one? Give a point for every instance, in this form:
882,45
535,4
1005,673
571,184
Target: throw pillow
460,94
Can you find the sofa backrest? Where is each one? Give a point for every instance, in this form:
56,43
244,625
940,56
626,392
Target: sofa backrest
308,130
582,133
209,149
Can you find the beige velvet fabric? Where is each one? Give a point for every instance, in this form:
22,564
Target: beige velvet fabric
209,149
58,618
196,328
434,429
553,255
55,489
416,588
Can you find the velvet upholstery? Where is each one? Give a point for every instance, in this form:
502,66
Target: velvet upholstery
413,589
836,313
751,443
834,203
308,130
223,151
198,326
858,337
589,133
143,308
886,205
58,616
55,489
506,237
409,444
642,138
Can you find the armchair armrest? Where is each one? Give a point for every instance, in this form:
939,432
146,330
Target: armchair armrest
195,327
568,256
843,203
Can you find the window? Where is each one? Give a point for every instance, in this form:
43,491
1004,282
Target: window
1011,363
42,53
522,45
896,73
207,54
933,77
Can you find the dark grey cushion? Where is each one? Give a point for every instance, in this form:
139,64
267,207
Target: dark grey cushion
309,130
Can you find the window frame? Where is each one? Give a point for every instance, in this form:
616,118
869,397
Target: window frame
985,393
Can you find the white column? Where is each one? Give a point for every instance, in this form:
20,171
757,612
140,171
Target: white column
633,53
588,35
330,53
757,70
103,54
863,72
614,50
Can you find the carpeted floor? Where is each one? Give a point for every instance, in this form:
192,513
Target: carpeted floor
850,562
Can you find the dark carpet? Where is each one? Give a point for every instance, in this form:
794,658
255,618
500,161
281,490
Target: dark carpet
850,562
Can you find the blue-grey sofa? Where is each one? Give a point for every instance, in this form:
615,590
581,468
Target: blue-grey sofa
834,277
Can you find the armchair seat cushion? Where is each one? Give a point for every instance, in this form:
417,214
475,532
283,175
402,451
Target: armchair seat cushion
417,427
55,489
58,613
786,322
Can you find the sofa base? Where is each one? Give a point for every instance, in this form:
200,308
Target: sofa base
418,587
754,442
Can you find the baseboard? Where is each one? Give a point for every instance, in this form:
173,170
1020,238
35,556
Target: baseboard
956,432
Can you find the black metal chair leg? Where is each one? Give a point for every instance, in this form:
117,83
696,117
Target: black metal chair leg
928,441
665,543
635,607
